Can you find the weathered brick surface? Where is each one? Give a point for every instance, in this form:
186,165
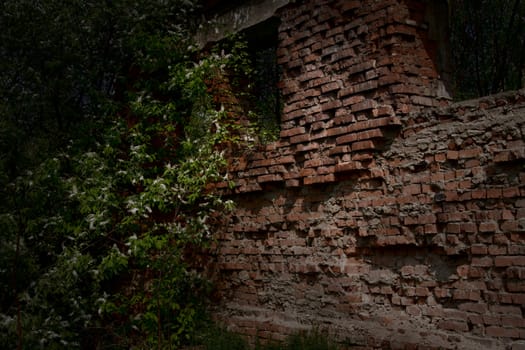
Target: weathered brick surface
381,214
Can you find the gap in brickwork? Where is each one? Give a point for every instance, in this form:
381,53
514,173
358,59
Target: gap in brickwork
486,47
266,97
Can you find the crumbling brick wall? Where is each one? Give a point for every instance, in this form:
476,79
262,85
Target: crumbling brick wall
383,214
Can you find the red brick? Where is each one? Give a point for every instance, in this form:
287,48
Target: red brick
494,193
478,249
482,262
291,175
292,183
469,227
349,5
430,229
465,196
331,105
235,266
440,157
314,163
352,100
472,163
515,249
410,220
458,326
502,156
363,145
437,177
506,310
453,228
346,167
413,189
300,138
501,332
470,153
312,146
319,179
476,272
342,54
311,75
278,169
486,227
359,136
292,132
363,156
422,291
324,170
460,294
454,314
491,320
285,160
364,105
413,310
508,215
516,286
345,92
501,261
515,272
330,87
511,192
465,184
518,299
451,196
384,111
476,319
513,321
354,298
479,308
462,270
451,186
367,85
339,150
497,250
390,79
452,155
257,172
479,194
404,89
374,123
307,172
441,293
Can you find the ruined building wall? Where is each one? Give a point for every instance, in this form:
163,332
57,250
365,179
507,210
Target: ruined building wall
384,213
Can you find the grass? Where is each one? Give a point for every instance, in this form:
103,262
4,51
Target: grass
221,339
308,341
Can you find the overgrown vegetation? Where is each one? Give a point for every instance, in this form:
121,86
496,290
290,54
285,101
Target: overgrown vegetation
109,141
488,46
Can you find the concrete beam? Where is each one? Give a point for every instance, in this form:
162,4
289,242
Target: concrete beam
240,18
